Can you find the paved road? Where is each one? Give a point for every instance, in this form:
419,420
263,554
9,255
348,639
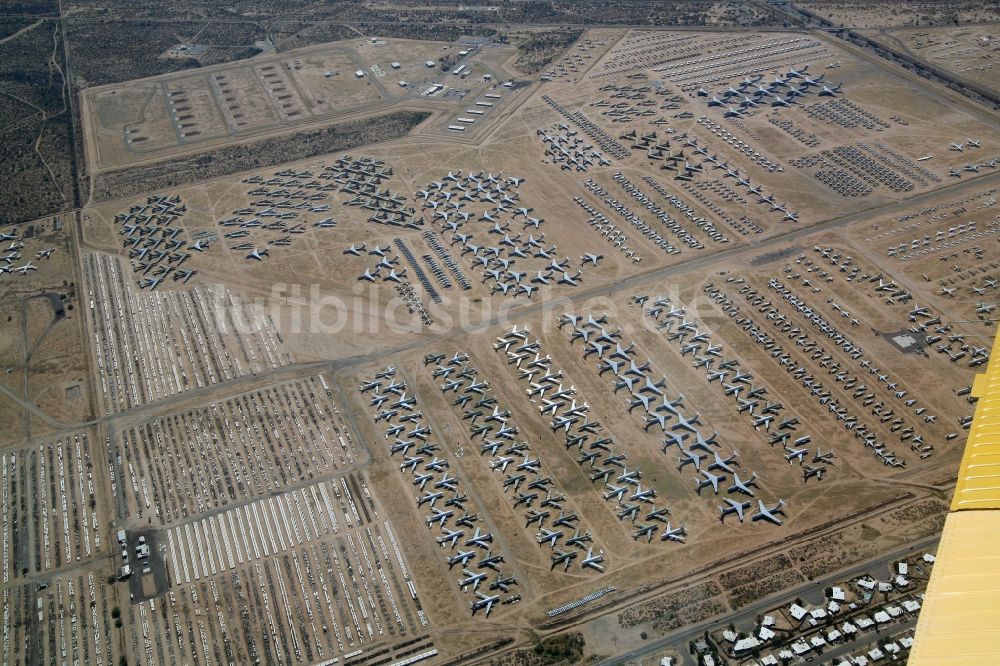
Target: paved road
833,655
679,638
705,263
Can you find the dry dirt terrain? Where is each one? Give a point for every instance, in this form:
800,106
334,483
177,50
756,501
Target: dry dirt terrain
967,51
681,321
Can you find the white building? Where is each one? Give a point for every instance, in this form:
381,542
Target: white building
797,612
745,644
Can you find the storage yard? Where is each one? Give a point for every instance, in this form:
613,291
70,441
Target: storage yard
686,321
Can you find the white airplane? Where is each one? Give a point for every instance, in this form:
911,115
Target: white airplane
960,147
44,254
592,258
690,457
355,249
765,513
471,578
674,534
394,276
23,270
258,254
792,454
593,561
709,479
684,423
734,507
484,602
739,485
725,464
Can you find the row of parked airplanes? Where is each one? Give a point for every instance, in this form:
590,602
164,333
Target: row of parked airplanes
407,429
736,383
570,151
497,261
152,240
753,91
498,432
624,487
650,394
13,254
686,169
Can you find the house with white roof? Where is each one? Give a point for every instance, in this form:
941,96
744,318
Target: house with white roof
797,612
838,594
881,617
817,641
911,605
765,634
745,645
876,654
